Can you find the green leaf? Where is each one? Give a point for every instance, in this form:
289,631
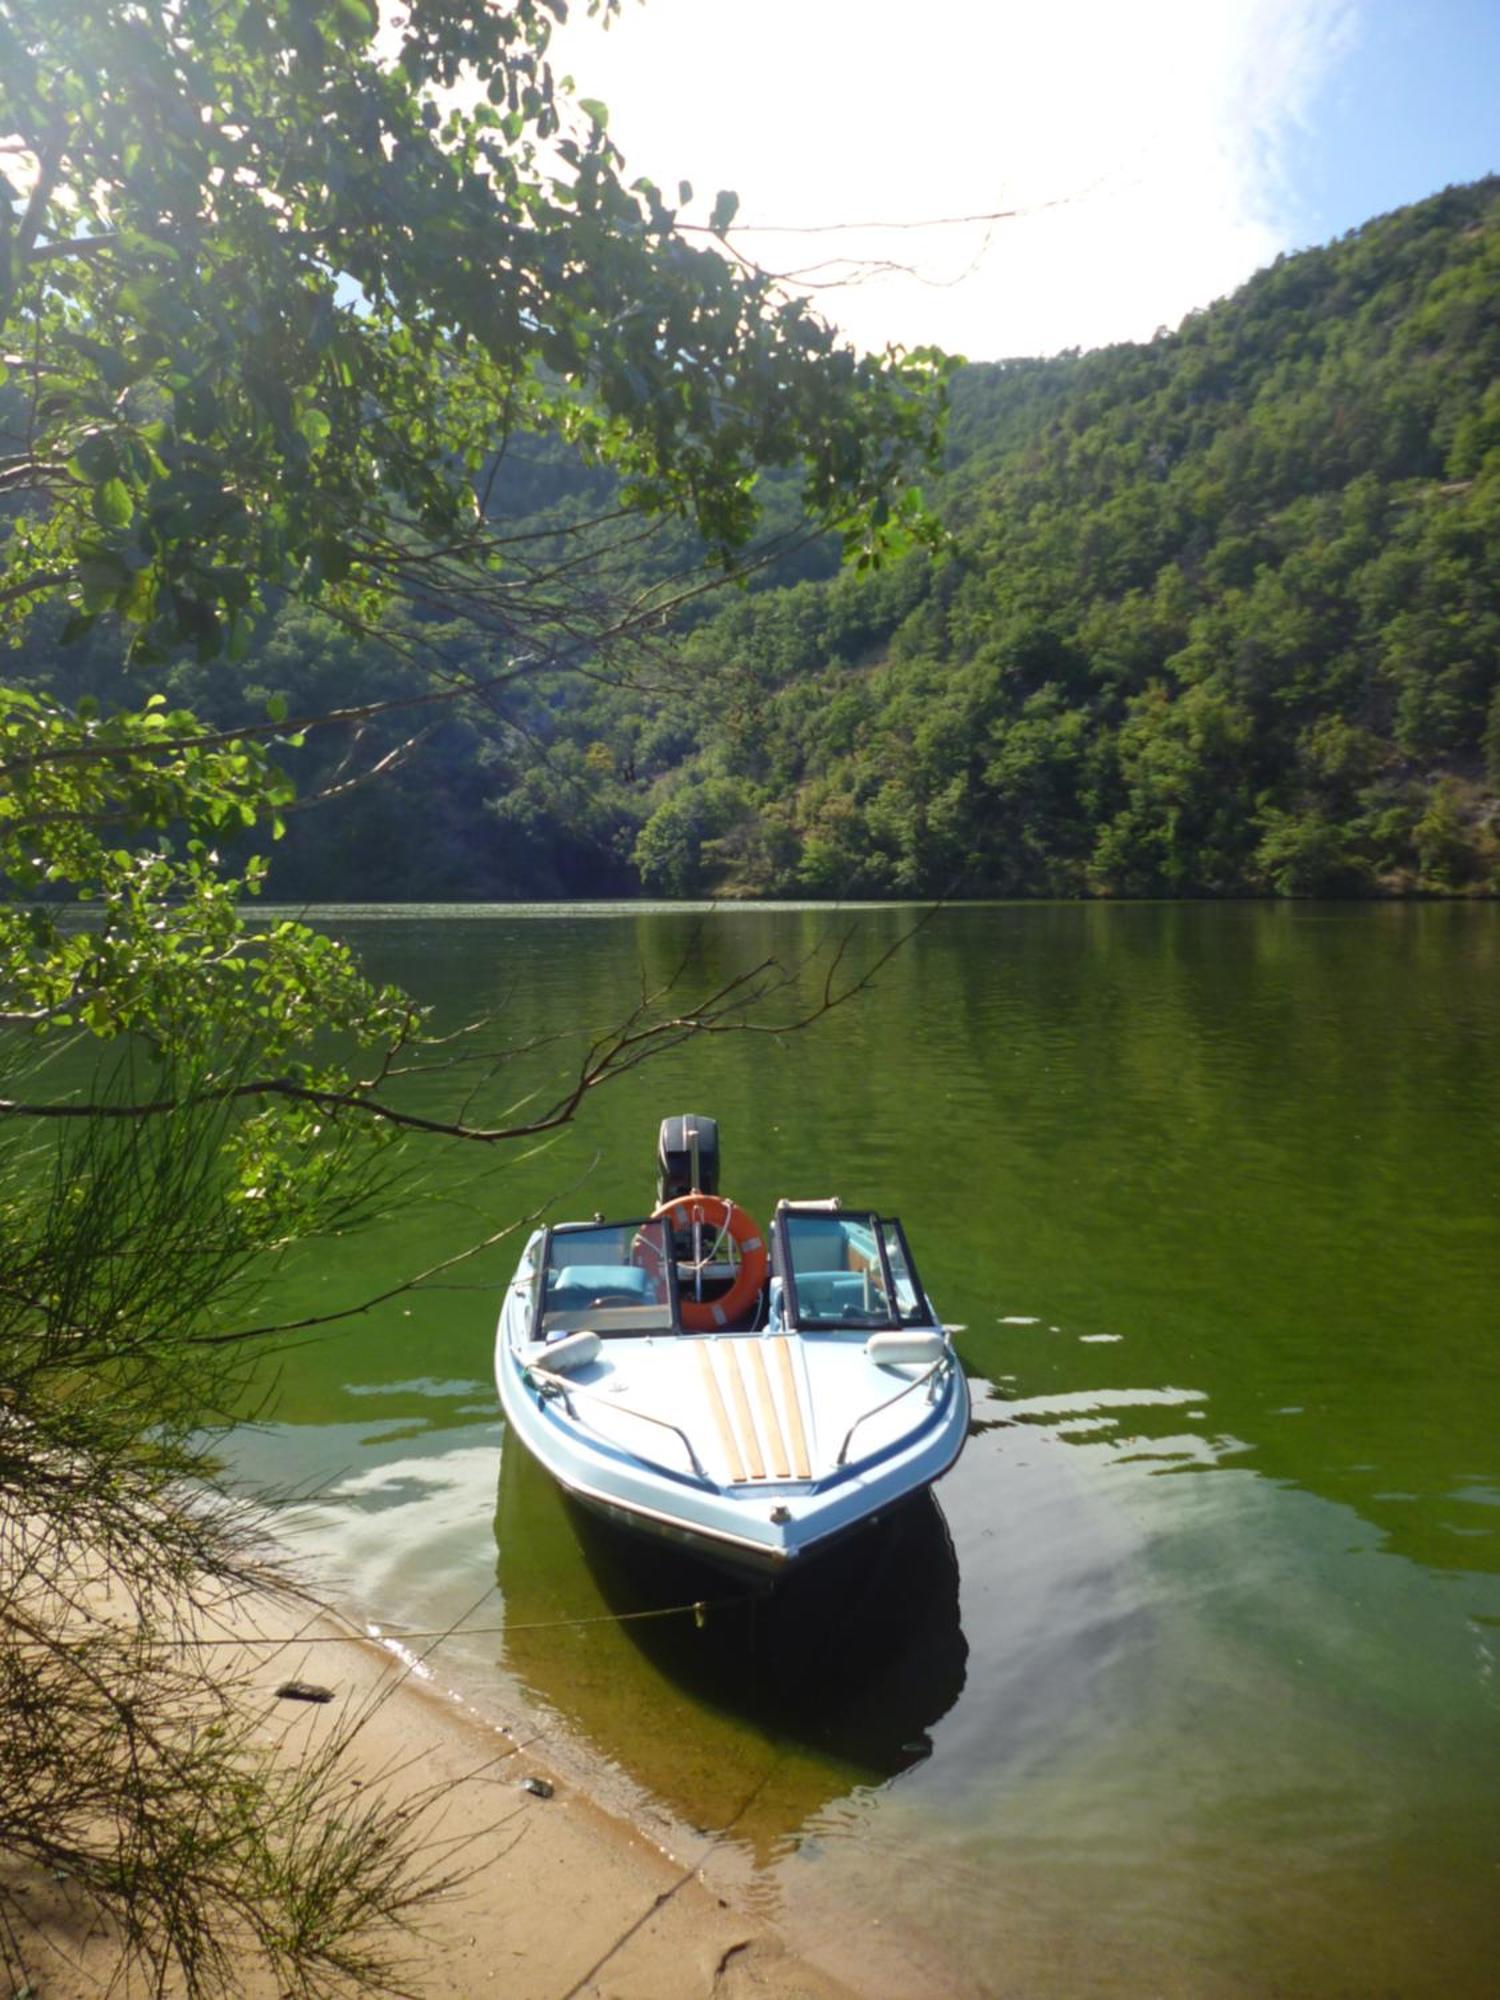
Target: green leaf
102,577
726,208
356,19
593,109
334,558
95,457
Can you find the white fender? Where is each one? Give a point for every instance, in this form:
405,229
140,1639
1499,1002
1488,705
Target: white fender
574,1350
886,1349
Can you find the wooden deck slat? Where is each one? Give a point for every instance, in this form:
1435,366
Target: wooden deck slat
731,1352
775,1443
801,1464
720,1414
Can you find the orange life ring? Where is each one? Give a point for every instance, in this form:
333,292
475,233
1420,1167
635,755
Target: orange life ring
713,1212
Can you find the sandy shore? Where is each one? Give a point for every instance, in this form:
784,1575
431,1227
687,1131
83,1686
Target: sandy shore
560,1899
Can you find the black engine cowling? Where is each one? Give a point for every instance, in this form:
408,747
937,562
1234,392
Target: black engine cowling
687,1157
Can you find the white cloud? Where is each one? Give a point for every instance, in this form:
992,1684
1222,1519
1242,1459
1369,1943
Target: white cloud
1144,146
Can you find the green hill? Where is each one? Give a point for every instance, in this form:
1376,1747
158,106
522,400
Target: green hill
1221,616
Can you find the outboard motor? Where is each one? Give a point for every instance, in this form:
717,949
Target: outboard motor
687,1157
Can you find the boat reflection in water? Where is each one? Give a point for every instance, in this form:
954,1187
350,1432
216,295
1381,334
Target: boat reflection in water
747,1718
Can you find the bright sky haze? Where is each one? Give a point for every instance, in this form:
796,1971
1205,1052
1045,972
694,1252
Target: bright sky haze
1155,154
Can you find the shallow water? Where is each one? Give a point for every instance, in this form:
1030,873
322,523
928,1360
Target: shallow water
1190,1686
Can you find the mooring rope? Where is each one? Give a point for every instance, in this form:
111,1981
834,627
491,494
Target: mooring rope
698,1609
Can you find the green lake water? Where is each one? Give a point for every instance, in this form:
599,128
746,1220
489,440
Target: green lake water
1190,1685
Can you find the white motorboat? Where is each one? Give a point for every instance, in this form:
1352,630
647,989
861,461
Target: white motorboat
753,1399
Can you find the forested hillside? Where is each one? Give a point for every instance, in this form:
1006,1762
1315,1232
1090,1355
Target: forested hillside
1221,616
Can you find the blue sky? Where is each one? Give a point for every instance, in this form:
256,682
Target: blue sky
1412,107
1155,154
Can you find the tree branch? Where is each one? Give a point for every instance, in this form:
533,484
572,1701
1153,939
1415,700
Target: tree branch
49,165
635,1041
73,246
44,580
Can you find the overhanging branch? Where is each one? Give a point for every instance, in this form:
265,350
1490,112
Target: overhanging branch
642,1036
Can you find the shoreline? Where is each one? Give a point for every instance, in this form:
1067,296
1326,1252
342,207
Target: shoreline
559,1897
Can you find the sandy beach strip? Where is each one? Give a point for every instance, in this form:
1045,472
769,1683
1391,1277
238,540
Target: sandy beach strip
560,1901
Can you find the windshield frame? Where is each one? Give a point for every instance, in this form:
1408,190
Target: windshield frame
671,1322
813,1322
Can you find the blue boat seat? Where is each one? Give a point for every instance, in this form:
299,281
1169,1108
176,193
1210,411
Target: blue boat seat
574,1287
822,1244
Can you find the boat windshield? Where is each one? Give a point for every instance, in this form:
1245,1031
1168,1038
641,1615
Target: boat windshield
849,1268
611,1277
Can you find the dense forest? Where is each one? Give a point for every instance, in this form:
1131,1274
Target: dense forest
1218,615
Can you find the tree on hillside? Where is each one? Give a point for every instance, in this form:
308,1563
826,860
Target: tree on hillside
279,287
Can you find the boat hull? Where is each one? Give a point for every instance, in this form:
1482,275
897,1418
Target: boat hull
736,1558
763,1531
